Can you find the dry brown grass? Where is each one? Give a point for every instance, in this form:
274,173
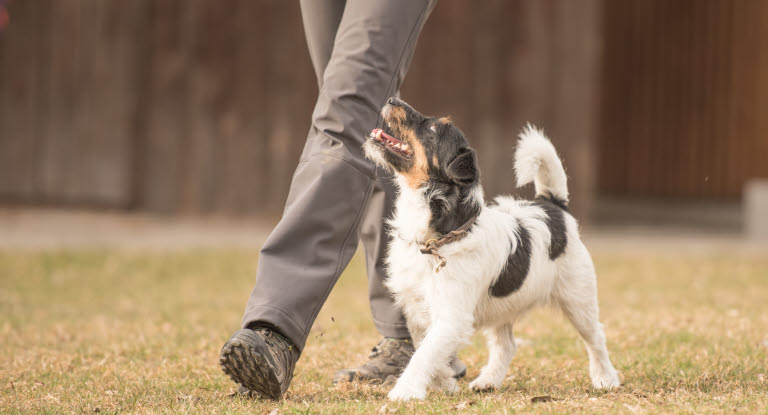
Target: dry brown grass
111,331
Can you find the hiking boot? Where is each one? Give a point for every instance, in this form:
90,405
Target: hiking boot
386,362
260,360
387,359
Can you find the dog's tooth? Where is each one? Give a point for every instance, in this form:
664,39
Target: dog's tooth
378,134
389,124
405,146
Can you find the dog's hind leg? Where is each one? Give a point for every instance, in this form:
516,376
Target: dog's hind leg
501,349
577,296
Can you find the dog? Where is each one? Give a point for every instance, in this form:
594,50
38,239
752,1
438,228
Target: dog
456,264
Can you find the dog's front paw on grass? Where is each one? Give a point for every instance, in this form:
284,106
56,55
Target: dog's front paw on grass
403,393
484,384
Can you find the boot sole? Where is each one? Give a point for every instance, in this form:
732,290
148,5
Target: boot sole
243,359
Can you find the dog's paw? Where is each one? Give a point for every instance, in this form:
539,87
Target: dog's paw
402,392
609,380
484,384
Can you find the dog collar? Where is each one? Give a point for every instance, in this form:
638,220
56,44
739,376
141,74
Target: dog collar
432,245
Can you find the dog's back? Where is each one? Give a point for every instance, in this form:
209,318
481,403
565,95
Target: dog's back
538,233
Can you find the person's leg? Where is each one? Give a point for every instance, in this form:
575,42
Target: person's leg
321,22
387,317
264,348
321,19
317,235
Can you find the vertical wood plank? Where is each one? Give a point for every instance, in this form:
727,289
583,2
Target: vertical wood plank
91,99
693,126
23,85
166,106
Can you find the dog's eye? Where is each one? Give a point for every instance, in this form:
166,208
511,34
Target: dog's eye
433,128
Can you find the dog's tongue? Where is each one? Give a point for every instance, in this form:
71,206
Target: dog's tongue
379,133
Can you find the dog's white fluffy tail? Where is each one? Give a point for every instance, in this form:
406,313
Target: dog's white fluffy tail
536,161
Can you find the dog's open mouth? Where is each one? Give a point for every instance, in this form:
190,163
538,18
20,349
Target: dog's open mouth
391,143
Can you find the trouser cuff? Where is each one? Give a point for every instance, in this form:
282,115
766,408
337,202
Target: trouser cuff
278,318
399,331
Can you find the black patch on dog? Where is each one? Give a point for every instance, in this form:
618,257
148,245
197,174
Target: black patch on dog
463,168
452,180
555,209
561,203
449,208
517,266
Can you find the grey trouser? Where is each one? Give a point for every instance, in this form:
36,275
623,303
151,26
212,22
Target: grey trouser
360,50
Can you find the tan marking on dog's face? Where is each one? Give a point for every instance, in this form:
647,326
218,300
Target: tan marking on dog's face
417,175
435,163
444,120
397,114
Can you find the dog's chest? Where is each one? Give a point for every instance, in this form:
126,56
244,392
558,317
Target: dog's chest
409,270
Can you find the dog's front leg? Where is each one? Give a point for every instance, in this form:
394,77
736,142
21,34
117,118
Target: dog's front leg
452,325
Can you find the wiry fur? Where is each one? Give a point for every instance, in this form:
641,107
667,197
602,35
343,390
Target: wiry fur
443,309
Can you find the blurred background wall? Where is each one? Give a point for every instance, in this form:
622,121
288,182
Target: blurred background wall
201,107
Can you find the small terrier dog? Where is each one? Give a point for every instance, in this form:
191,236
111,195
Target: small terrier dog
456,264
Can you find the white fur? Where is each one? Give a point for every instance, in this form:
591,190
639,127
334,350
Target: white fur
536,161
443,309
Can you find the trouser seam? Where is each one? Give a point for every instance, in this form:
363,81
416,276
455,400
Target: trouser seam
337,273
419,21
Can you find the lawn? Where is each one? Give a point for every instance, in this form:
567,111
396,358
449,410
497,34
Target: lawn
139,332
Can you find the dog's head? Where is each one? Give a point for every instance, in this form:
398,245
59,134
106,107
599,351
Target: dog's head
430,154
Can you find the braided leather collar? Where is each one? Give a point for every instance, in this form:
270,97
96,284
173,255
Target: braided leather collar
432,245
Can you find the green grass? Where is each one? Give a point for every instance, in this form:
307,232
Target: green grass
113,331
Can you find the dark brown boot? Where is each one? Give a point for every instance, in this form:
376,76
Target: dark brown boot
260,360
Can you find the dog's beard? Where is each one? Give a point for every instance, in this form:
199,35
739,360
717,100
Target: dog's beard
375,154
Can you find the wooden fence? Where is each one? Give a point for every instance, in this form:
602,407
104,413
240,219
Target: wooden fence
685,98
192,106
199,106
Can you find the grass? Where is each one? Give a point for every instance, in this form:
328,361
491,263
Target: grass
116,331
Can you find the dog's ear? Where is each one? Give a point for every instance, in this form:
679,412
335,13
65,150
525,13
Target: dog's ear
463,169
